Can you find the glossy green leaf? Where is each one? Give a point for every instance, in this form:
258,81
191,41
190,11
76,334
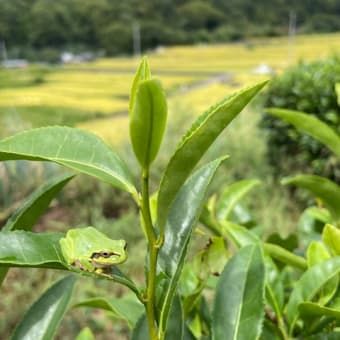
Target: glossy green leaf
33,207
239,235
195,326
183,216
269,331
187,334
148,121
70,147
118,276
331,238
310,284
313,126
175,325
232,195
44,316
315,309
196,142
274,287
27,249
143,73
317,253
311,223
212,259
239,301
141,330
323,188
320,214
85,334
128,308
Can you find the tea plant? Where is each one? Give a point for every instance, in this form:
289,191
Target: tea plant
156,311
307,87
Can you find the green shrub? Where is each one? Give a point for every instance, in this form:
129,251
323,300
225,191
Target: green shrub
307,87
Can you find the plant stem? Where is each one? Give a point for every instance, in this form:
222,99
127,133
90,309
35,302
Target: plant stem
150,233
153,254
285,256
279,319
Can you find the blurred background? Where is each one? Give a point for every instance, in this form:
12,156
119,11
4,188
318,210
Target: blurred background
71,62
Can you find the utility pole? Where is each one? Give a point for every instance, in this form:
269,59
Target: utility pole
291,36
136,39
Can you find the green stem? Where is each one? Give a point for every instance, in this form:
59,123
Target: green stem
279,319
150,233
153,254
285,256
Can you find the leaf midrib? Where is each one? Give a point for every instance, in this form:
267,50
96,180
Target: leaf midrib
237,325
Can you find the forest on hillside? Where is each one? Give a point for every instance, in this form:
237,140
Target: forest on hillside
31,28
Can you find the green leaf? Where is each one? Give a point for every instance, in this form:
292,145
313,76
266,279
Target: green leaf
127,308
311,125
85,334
118,276
274,287
44,316
175,325
308,285
333,335
314,309
141,331
239,235
26,249
70,147
319,213
183,216
239,301
195,143
143,73
311,223
212,259
317,253
323,188
33,207
148,121
269,331
232,195
331,238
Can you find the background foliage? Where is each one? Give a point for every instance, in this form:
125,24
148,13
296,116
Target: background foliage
307,87
42,27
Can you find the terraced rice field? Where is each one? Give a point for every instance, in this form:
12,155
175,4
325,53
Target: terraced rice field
94,95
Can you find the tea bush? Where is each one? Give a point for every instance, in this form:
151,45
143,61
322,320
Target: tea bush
307,87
